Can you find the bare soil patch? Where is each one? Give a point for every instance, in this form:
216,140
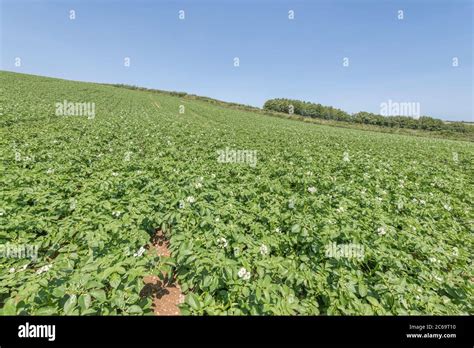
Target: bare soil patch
166,293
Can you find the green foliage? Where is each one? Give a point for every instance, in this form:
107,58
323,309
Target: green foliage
90,207
312,110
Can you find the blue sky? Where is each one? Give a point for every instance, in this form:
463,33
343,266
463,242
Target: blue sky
407,60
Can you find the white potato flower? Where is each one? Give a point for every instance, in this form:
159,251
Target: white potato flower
244,274
139,252
222,242
44,269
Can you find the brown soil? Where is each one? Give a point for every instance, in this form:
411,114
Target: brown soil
160,244
166,293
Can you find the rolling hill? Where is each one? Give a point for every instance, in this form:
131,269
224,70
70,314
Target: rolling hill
263,215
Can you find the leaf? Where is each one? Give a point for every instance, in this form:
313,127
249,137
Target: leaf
47,311
362,289
135,309
93,284
295,228
88,268
70,304
304,258
114,280
207,281
120,270
193,301
99,294
59,292
9,308
84,301
89,311
373,301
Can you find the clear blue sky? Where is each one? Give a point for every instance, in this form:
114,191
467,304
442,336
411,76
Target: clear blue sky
406,60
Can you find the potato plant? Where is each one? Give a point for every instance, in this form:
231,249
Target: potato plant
245,240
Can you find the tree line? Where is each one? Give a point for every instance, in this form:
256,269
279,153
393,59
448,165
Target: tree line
313,110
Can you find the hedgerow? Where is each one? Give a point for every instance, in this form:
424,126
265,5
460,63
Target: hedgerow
329,113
